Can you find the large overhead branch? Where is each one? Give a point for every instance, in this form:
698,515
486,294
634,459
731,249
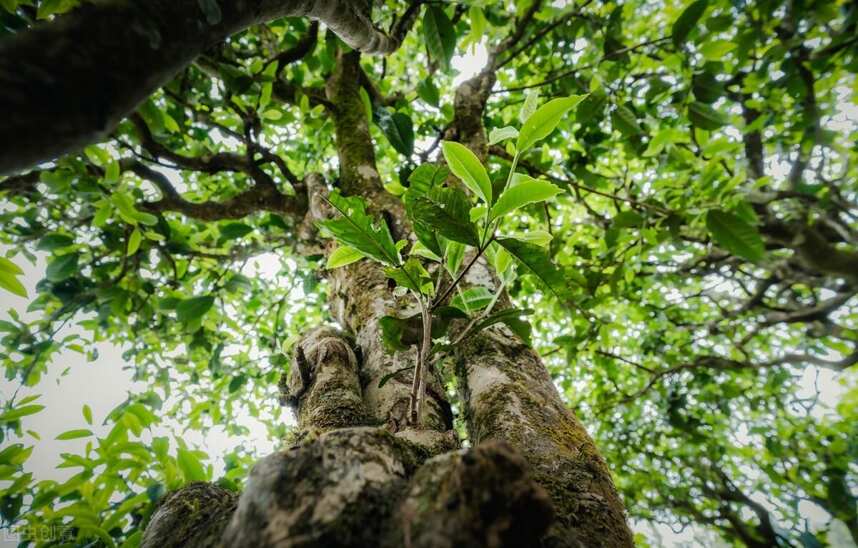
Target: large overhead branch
68,82
260,197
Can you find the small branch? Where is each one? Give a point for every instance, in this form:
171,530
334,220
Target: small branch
499,152
519,31
418,384
462,274
536,37
256,198
304,47
569,72
399,30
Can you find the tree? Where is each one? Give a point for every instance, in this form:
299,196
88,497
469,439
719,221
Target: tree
665,198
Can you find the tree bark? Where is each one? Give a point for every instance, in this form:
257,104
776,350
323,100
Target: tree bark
509,396
68,83
357,474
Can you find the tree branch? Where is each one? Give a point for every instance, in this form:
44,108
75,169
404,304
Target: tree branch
257,198
105,58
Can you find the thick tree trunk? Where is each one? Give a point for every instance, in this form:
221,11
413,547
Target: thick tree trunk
509,396
68,83
358,474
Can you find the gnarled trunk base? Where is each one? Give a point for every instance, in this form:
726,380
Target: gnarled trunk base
363,487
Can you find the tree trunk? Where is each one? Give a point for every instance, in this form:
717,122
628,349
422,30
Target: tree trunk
357,474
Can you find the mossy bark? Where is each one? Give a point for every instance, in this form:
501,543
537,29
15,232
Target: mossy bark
323,386
193,516
509,396
360,293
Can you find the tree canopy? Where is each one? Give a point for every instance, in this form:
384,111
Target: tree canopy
668,194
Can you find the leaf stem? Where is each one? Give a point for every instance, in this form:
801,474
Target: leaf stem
418,383
508,182
461,275
485,313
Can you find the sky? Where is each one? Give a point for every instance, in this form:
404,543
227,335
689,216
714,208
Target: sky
105,382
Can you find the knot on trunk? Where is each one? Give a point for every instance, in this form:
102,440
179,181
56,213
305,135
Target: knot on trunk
338,490
479,498
193,517
323,385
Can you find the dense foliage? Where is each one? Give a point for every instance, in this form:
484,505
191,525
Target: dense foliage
685,242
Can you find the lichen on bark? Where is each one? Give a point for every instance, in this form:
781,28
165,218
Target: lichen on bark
482,497
338,489
192,517
323,385
509,396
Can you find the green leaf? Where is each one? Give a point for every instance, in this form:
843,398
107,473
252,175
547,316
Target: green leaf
426,177
62,267
524,190
134,242
14,454
342,256
544,120
442,317
146,218
446,210
512,318
355,228
54,7
128,212
499,134
687,20
112,172
50,242
420,250
715,50
536,260
193,308
413,276
478,27
233,231
10,283
87,413
542,238
19,412
427,91
625,121
531,99
426,235
393,331
706,88
454,254
466,166
705,117
735,234
190,465
439,35
472,299
398,129
236,383
367,102
8,266
101,216
74,434
627,219
9,5
384,380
